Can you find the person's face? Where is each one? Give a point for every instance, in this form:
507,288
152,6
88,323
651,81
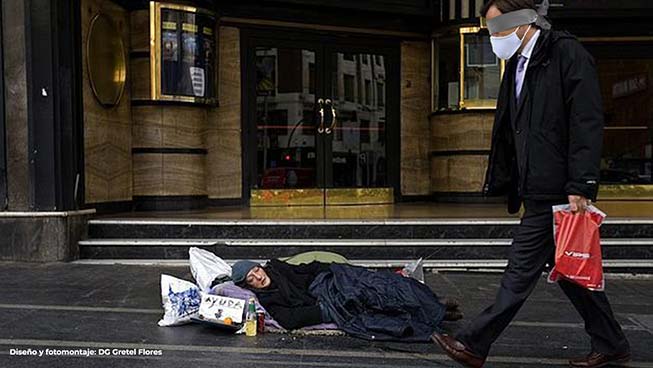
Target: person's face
257,278
495,12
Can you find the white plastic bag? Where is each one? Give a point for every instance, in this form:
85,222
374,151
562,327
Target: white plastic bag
181,301
206,267
415,270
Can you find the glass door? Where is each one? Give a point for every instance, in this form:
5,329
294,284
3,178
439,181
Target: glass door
355,142
318,118
287,159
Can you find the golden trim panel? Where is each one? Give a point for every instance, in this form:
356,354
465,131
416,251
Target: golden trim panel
286,197
383,211
155,53
473,104
321,197
155,48
359,196
625,192
102,68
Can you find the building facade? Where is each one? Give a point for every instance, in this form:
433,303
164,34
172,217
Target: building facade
115,105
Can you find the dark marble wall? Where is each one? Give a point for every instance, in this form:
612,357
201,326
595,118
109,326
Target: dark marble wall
42,239
13,32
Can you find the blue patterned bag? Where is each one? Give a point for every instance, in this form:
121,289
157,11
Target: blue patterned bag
180,299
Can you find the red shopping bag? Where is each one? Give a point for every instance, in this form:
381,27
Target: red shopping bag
578,247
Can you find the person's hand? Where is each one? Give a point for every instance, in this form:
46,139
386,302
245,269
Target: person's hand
578,203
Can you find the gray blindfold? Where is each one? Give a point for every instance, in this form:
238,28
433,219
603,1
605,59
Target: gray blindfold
520,17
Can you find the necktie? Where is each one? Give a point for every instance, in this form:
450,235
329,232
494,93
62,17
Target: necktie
521,71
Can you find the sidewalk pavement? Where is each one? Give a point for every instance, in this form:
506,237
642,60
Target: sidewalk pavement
63,308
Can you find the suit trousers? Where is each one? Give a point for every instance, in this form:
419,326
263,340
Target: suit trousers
532,249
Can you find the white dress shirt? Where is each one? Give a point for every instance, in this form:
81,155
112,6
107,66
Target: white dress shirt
524,59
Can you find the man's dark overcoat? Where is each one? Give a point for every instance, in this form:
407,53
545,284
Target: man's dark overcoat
547,144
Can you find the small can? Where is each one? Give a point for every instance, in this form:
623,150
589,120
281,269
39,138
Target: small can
260,322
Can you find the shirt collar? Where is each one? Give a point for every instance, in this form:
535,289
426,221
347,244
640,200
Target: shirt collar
528,49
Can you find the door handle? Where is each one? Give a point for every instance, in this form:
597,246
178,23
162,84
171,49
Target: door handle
320,129
329,130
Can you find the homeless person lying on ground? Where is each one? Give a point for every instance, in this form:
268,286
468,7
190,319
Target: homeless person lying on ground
370,305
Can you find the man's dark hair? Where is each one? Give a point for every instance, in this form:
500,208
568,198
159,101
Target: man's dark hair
506,6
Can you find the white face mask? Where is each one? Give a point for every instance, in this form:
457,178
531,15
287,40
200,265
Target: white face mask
505,47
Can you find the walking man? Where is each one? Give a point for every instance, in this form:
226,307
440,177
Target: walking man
546,150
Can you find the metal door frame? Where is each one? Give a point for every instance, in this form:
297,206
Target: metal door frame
3,145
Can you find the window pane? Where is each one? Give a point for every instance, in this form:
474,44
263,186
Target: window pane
448,60
368,92
359,147
380,94
365,131
349,57
187,54
349,87
482,68
628,105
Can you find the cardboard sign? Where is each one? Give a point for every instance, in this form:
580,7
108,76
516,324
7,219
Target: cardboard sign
217,308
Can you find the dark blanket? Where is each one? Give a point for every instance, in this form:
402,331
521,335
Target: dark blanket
378,305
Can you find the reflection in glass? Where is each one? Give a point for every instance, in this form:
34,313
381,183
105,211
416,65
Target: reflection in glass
446,61
285,87
187,54
358,145
628,104
481,72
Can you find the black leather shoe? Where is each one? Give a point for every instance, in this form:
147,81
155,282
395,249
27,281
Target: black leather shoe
457,351
595,360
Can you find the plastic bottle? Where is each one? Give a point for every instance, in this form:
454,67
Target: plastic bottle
250,321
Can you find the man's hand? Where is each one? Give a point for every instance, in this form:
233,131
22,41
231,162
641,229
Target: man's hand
578,203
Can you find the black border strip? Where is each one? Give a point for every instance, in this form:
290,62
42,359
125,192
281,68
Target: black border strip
41,91
102,208
247,164
170,151
139,54
465,197
460,153
78,104
226,202
158,202
170,203
55,119
3,142
172,103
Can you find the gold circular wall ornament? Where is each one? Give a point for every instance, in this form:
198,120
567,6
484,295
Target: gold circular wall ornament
106,59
